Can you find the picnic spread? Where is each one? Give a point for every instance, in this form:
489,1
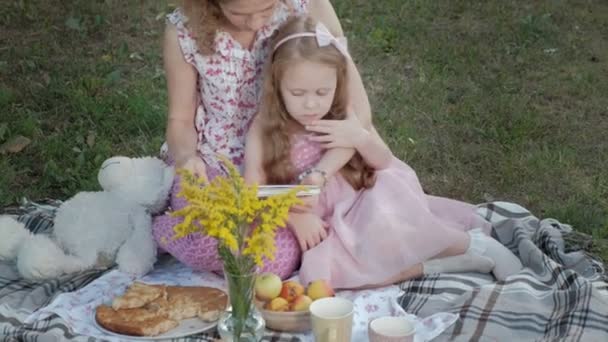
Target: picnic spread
559,295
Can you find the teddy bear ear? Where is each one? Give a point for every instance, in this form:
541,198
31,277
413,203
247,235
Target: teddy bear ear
114,172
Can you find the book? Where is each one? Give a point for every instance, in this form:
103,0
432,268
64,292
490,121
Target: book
272,190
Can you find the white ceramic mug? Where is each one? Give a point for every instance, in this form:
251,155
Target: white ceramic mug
332,319
391,329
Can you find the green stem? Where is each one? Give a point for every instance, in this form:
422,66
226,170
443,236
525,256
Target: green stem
240,289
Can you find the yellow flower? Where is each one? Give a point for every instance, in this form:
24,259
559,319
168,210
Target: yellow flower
230,211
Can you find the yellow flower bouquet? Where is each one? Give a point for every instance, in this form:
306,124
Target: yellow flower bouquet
244,226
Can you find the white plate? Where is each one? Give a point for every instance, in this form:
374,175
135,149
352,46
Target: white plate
186,327
272,190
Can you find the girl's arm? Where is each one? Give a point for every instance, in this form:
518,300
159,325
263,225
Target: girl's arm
254,170
308,228
181,85
333,160
350,133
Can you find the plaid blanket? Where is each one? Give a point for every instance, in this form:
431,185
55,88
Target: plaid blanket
19,298
559,296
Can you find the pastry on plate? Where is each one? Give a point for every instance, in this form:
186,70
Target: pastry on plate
151,310
134,322
137,295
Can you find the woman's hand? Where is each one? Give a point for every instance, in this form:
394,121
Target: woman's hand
308,228
347,133
193,164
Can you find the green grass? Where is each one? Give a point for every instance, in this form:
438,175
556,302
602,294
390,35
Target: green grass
489,100
84,81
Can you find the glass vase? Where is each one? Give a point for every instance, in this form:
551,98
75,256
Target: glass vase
242,321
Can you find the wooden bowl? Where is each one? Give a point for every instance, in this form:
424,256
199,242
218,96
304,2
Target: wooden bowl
288,321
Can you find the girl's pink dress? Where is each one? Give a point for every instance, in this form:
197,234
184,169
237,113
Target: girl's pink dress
229,88
376,233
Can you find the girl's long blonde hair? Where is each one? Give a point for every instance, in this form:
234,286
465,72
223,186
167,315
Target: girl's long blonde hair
274,117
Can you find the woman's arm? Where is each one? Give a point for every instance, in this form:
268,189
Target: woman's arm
181,86
323,11
374,151
254,170
333,160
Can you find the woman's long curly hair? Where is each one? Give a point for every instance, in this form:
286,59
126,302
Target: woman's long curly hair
275,119
205,17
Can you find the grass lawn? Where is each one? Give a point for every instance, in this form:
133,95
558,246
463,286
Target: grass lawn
487,100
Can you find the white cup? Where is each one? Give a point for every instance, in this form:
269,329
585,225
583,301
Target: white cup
332,319
391,329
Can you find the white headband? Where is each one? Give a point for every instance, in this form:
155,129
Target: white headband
324,38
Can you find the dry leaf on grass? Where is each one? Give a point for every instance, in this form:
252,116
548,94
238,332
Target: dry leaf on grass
91,138
15,145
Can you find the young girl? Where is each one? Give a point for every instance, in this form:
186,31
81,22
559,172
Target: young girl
372,225
214,51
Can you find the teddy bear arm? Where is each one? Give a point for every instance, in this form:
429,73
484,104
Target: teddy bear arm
138,254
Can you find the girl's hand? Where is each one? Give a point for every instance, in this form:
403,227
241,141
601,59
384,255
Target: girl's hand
314,178
347,133
309,229
193,164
